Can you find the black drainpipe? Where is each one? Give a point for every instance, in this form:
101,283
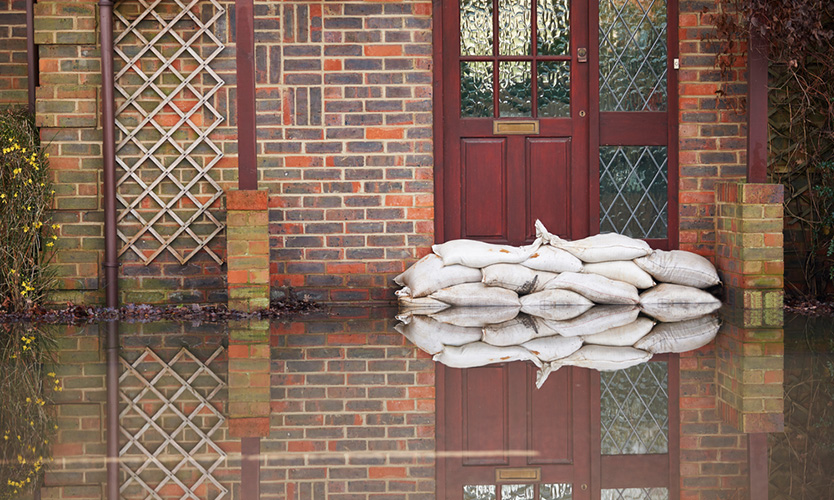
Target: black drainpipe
111,257
31,54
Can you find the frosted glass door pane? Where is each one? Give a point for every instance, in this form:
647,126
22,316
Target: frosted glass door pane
476,89
479,492
476,27
517,492
514,31
516,94
553,28
554,88
555,491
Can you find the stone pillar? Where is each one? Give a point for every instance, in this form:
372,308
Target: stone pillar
249,371
750,373
750,252
247,240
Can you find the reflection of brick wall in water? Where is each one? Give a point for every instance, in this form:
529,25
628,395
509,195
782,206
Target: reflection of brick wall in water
79,450
352,414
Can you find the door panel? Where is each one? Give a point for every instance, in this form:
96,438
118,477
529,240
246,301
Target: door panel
484,177
547,164
485,423
549,413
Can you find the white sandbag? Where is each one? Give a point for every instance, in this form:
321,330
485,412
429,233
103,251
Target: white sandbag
478,317
555,347
554,260
420,305
514,332
622,336
679,267
596,357
428,275
668,303
480,354
621,270
598,289
554,297
556,313
478,254
515,277
605,358
680,337
476,294
430,335
598,248
596,320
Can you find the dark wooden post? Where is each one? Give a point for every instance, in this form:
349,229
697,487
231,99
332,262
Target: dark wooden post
757,108
246,128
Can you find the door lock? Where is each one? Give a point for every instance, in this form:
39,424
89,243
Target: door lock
582,55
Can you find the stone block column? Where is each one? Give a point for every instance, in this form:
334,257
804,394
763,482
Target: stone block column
750,252
750,373
249,372
247,240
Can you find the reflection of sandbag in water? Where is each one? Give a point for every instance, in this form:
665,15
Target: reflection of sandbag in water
430,335
622,270
622,336
514,332
476,316
517,278
420,305
597,357
679,267
667,302
598,248
680,337
595,320
556,313
478,254
428,275
553,347
554,260
476,294
480,354
598,289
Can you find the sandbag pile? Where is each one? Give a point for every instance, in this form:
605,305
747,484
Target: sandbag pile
557,302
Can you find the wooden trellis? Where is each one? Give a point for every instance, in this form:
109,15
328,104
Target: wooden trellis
165,149
168,424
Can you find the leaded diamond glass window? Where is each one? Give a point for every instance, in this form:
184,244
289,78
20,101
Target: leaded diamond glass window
636,494
635,411
633,190
632,55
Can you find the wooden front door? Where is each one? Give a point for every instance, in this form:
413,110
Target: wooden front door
500,437
559,110
515,119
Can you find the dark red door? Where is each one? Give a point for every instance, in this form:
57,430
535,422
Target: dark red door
515,119
501,437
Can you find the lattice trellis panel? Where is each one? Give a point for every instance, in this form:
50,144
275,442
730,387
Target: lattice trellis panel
165,116
167,424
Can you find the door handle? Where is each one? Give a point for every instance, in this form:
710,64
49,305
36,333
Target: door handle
582,55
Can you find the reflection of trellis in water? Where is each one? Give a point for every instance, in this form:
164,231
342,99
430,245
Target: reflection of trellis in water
168,423
166,48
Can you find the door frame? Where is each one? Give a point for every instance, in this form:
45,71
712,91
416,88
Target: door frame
439,32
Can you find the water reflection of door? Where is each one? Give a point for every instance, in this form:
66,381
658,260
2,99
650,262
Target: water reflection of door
583,435
503,438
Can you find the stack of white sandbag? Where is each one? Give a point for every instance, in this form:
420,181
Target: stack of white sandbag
557,302
602,269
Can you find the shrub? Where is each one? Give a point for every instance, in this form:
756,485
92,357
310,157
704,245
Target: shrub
27,237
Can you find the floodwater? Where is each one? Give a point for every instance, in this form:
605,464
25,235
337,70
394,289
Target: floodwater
339,405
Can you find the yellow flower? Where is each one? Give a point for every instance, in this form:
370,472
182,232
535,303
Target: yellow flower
50,244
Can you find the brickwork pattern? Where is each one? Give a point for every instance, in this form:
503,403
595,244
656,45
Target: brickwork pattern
353,414
750,373
68,112
13,73
247,237
713,138
344,116
249,391
79,470
750,256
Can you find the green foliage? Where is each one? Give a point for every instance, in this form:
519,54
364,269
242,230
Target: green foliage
27,237
25,422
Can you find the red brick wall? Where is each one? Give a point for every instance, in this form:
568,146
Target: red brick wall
713,136
13,80
344,102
